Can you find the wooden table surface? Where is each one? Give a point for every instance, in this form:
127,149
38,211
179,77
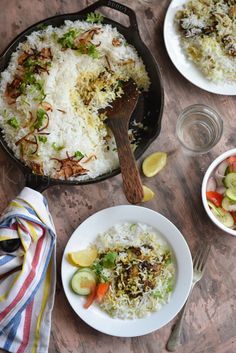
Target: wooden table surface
210,324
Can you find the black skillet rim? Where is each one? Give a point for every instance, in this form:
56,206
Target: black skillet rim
42,181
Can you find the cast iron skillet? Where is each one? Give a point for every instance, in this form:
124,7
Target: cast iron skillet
150,106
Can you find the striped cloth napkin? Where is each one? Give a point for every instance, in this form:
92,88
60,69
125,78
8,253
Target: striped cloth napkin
28,275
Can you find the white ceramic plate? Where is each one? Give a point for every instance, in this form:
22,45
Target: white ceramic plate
187,68
86,234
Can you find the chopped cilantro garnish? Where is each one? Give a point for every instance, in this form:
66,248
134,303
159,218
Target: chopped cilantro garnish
94,17
57,148
133,226
79,155
167,258
67,40
157,294
31,62
109,259
89,49
92,51
5,113
41,113
169,287
103,278
13,122
28,79
42,139
42,26
97,268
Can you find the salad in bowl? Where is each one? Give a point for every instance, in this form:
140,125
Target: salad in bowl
219,191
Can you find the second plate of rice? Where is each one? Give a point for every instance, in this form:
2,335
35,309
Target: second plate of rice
152,277
200,40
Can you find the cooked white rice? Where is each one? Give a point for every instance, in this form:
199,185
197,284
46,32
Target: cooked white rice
208,36
153,250
76,86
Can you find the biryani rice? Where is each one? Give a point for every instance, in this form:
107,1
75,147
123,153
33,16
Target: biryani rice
76,87
208,36
135,289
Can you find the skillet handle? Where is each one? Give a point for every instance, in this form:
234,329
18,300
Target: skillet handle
114,5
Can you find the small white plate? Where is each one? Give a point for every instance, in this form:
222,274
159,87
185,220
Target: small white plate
86,233
187,68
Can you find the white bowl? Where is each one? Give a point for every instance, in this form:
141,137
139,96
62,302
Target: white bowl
207,175
99,223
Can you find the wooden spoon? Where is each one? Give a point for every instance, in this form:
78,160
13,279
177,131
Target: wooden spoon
118,117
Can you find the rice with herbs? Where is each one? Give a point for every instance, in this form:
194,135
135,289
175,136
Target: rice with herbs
208,36
141,273
53,92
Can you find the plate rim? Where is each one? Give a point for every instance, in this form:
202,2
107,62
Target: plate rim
183,296
216,88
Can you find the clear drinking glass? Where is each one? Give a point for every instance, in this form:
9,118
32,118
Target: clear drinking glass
199,128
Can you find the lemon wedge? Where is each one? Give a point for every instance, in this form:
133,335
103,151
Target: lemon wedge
154,163
148,194
83,258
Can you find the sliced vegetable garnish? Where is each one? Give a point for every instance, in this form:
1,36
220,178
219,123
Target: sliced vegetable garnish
214,197
222,200
217,210
226,218
230,180
90,298
231,193
83,281
211,184
102,289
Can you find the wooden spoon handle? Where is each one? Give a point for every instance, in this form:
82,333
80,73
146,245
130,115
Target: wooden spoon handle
132,183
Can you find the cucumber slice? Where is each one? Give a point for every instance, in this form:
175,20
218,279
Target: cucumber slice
217,210
226,219
82,281
231,193
226,203
230,180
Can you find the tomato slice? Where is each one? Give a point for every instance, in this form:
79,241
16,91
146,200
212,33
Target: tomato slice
232,163
231,159
215,198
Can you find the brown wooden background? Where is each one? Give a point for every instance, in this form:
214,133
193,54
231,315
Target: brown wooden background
210,325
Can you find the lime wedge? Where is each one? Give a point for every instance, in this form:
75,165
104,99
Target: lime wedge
154,163
148,194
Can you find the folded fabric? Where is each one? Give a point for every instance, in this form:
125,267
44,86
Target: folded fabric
27,275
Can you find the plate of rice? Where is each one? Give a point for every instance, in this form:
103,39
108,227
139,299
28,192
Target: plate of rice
143,261
200,38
